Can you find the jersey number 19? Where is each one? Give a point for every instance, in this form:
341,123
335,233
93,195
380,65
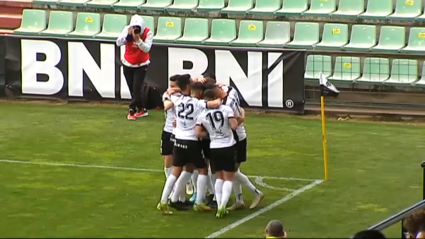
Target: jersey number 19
216,119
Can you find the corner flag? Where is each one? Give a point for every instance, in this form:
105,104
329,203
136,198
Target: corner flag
326,89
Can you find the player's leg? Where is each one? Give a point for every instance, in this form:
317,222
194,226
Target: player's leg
212,198
178,199
167,152
194,181
229,169
201,165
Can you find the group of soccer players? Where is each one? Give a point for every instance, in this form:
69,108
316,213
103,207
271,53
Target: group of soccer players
204,142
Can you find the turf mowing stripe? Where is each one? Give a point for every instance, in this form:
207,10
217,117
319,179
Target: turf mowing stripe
133,169
263,210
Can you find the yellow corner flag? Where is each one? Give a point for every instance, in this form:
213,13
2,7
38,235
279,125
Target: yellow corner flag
326,89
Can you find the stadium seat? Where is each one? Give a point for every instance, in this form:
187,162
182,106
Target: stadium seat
73,3
210,5
183,6
375,70
155,5
101,3
128,4
406,10
347,68
223,31
377,9
391,39
334,36
149,22
416,43
238,6
250,33
195,31
421,81
306,35
169,29
403,72
292,8
33,22
60,24
45,2
363,37
277,34
320,8
87,26
265,7
316,64
349,8
112,26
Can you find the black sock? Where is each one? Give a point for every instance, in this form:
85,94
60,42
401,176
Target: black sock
131,111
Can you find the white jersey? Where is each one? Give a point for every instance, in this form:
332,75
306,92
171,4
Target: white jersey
170,115
232,100
187,111
216,122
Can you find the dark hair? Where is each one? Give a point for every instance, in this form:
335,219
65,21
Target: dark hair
209,75
209,95
415,222
210,86
197,86
183,81
174,78
369,234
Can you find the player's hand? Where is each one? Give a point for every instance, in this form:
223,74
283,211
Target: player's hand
173,90
136,37
130,31
174,123
202,79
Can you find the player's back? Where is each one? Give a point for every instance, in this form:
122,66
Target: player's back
216,122
169,115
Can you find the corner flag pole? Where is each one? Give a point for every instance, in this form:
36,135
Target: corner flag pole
326,89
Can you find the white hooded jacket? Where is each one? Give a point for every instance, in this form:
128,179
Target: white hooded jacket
145,45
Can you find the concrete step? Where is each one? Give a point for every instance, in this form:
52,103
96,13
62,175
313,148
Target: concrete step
10,21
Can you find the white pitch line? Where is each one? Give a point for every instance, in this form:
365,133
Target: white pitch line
130,169
263,210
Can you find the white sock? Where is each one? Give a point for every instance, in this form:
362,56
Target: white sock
237,189
168,171
243,179
227,191
195,180
180,185
202,189
182,194
218,190
213,178
168,187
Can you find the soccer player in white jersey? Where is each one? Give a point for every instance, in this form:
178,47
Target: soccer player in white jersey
231,98
186,147
219,124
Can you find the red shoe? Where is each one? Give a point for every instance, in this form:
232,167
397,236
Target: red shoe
131,116
141,113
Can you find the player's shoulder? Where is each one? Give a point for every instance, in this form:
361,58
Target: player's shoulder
225,108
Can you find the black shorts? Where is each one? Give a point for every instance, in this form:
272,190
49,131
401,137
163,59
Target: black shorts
166,143
224,159
241,147
205,146
188,151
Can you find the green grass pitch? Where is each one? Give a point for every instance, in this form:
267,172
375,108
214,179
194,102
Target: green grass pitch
374,173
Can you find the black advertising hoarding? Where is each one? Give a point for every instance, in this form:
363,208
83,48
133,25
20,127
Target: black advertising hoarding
2,65
91,70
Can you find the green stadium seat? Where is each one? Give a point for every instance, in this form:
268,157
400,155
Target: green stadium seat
33,22
277,34
349,8
416,43
421,81
363,37
101,3
210,5
347,68
375,70
377,9
149,22
334,36
112,26
265,7
60,24
45,2
306,35
292,8
155,5
406,10
391,39
195,31
183,6
403,72
223,31
87,26
250,33
128,4
73,3
321,8
169,29
316,64
238,6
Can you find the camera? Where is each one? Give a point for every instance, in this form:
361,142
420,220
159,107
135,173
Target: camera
137,29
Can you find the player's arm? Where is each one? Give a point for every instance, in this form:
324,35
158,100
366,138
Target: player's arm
214,104
231,116
241,119
200,130
166,99
173,90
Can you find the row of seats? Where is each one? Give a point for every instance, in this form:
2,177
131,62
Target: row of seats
375,9
224,32
402,72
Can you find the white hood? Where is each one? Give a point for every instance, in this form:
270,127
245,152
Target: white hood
137,20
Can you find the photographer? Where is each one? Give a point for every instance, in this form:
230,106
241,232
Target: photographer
137,39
